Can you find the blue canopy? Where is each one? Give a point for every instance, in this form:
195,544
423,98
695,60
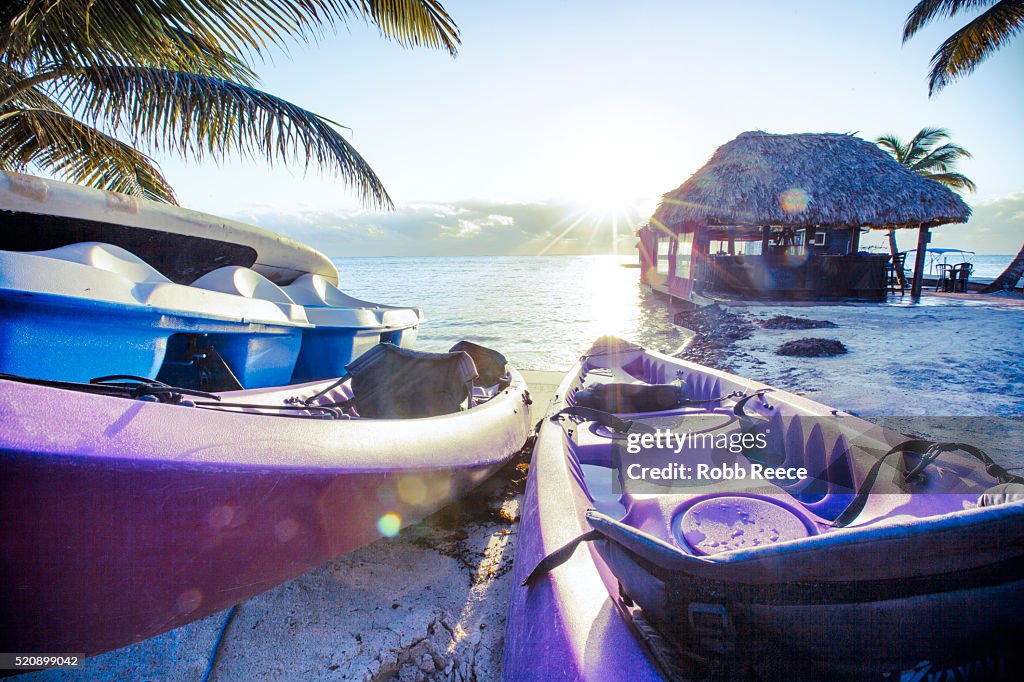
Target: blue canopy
944,251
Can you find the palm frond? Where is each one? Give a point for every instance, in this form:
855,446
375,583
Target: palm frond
941,158
954,180
892,144
929,136
921,144
199,116
192,54
56,142
144,32
928,10
416,22
922,156
961,53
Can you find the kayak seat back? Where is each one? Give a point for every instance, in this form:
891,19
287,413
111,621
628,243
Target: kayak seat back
491,366
107,257
233,279
389,382
314,290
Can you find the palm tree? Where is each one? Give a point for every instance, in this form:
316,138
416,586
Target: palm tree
80,77
925,156
1010,276
972,44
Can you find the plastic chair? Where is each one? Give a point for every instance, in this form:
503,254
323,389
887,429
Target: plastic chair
959,276
895,276
944,276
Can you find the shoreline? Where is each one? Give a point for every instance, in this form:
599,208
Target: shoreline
952,354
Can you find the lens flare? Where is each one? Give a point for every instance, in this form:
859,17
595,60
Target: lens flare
389,525
412,490
794,200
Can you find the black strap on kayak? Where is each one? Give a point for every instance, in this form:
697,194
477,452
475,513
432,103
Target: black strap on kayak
138,386
306,411
691,402
606,419
342,379
118,386
994,470
856,506
558,557
929,451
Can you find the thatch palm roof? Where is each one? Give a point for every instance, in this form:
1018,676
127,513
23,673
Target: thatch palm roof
807,179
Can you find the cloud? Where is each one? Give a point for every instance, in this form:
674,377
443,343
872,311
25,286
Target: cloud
996,226
482,228
456,228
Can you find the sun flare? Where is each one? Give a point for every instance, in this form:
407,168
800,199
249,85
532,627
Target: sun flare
608,179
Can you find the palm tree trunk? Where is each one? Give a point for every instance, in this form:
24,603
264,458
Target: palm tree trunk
894,251
1011,275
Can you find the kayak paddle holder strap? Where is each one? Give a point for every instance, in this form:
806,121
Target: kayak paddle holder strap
558,557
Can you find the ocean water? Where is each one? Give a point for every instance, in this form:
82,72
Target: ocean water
987,265
542,312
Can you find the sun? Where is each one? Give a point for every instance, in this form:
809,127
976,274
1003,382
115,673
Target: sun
604,167
606,199
608,176
596,227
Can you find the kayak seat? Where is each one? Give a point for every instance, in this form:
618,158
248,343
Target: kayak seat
314,290
233,279
631,398
491,366
107,257
389,382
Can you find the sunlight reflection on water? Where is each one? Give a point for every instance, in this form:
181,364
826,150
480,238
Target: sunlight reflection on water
542,312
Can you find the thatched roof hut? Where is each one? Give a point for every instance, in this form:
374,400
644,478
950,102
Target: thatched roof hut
806,180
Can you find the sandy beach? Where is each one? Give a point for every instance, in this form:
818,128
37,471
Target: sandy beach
430,604
952,354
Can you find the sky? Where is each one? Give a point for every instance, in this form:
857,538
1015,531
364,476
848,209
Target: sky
560,124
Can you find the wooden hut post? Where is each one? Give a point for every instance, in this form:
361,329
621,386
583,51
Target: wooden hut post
923,237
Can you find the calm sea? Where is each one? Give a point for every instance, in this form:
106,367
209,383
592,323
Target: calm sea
542,312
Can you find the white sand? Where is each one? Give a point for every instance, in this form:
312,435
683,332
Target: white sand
953,354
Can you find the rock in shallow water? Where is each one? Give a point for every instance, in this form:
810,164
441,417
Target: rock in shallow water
715,330
812,348
790,322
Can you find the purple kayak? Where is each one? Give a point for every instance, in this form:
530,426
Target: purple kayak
128,509
685,523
